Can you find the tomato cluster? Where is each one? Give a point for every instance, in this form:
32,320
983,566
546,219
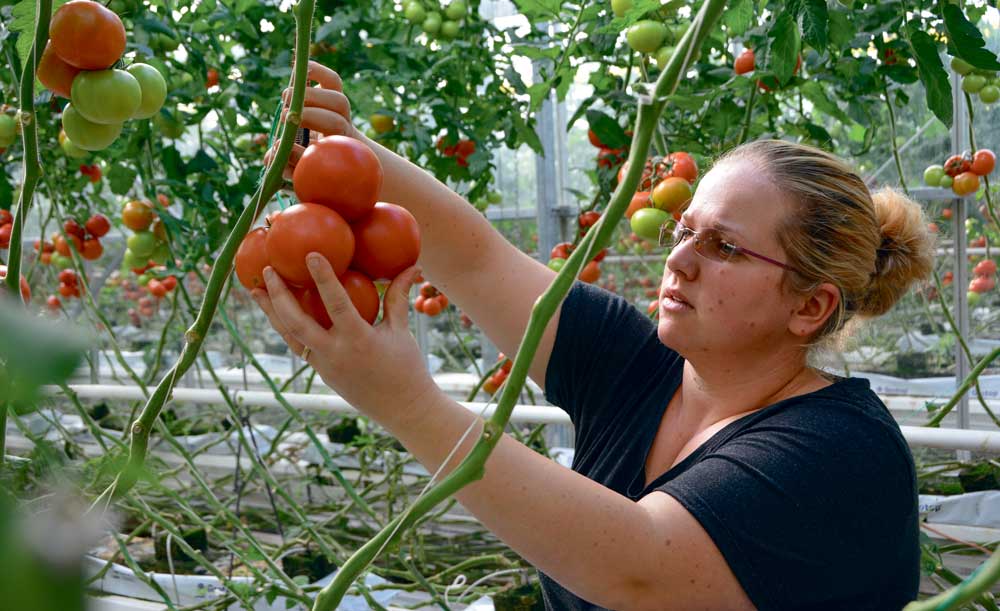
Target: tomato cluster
427,14
93,171
653,36
147,246
460,150
590,272
665,189
975,81
983,280
337,181
495,381
430,301
86,40
962,172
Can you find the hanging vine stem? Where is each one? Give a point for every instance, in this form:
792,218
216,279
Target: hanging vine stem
472,467
195,336
32,171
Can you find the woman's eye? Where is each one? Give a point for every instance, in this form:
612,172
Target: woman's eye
727,249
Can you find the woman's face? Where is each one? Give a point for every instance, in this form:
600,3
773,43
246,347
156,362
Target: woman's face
734,308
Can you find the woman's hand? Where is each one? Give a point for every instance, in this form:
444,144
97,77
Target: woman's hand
379,370
326,110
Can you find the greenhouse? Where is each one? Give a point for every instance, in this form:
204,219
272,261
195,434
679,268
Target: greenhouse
499,305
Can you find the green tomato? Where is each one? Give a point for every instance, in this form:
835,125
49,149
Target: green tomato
620,7
142,244
143,279
494,197
132,260
432,23
456,10
972,83
61,261
414,12
933,174
989,94
663,56
8,130
646,36
71,150
973,298
169,124
88,135
161,254
961,66
153,88
449,30
244,142
556,264
946,182
646,222
106,96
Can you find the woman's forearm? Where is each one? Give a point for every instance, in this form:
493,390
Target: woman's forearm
583,535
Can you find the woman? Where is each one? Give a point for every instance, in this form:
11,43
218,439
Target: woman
714,468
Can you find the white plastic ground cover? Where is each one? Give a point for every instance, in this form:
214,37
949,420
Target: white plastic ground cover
192,589
926,387
970,509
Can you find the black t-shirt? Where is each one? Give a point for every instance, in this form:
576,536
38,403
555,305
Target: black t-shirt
812,500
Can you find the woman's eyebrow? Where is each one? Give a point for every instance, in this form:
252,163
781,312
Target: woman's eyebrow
716,225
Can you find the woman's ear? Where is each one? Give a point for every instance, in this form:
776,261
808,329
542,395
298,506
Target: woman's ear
814,309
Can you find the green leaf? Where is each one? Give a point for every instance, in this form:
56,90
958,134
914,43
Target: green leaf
932,74
738,16
173,165
841,29
536,10
815,93
607,130
538,92
815,23
201,162
121,178
966,41
784,49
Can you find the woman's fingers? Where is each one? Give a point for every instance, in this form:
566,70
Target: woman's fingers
327,78
296,323
264,301
397,301
343,314
293,158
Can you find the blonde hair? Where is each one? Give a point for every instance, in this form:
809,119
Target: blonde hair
872,247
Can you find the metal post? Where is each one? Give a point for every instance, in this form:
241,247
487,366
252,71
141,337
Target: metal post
960,142
546,177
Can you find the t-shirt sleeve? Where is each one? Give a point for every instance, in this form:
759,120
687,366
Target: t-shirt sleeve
603,345
808,508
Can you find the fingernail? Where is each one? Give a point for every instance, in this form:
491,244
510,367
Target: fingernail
313,261
268,273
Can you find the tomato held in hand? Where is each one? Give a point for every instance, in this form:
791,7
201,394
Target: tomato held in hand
305,228
25,289
55,74
340,173
387,241
251,259
360,289
983,162
87,35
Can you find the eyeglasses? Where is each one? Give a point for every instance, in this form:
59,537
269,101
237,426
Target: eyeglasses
710,244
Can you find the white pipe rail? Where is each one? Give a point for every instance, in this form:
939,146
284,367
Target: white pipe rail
916,436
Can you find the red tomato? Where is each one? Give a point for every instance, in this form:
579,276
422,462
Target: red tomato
956,164
986,267
305,228
590,272
340,173
745,62
98,225
671,194
5,233
639,200
53,302
609,158
71,227
600,255
25,289
418,303
594,139
464,148
211,78
54,73
170,282
983,162
387,241
561,251
965,183
156,288
92,249
683,165
587,219
6,217
946,213
981,284
62,246
251,259
363,294
947,279
87,35
432,306
137,215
